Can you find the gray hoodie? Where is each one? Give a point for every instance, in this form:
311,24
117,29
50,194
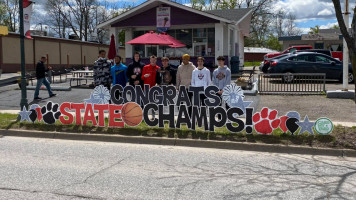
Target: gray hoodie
222,77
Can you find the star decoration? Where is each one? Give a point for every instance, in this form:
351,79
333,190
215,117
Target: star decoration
25,115
242,104
306,125
92,100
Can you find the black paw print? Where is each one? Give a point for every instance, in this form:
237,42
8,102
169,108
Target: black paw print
50,113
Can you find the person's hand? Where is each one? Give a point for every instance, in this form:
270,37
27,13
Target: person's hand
136,82
49,67
220,92
147,75
133,76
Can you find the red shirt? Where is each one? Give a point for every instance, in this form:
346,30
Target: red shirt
152,70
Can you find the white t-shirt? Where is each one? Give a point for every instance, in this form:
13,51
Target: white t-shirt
201,77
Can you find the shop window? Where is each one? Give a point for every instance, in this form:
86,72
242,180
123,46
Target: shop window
211,42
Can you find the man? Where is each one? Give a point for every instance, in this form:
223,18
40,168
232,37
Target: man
102,66
221,76
149,72
166,75
41,78
201,77
134,71
118,72
184,76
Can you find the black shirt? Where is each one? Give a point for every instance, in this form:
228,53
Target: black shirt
40,70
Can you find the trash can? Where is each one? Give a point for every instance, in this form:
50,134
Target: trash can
235,64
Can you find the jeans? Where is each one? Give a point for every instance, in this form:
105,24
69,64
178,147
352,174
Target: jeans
39,84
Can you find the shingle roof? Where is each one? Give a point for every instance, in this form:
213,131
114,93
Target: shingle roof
230,14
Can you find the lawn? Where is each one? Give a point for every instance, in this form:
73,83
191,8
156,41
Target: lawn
341,137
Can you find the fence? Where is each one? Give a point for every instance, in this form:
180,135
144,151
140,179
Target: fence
288,83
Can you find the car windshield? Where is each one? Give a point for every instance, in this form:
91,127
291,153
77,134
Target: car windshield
322,59
280,56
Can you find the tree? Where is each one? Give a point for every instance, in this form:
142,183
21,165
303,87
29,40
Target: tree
314,30
273,43
291,28
12,10
3,16
350,40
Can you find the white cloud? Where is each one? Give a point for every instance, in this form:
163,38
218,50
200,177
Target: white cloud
307,9
325,12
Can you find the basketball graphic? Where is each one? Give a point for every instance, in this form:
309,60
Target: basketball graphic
132,114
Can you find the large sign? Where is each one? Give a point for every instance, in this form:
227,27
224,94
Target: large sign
132,105
163,18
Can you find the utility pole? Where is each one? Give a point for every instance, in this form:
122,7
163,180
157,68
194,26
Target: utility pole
23,72
345,80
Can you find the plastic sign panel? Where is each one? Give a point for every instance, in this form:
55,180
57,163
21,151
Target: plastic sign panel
163,19
131,105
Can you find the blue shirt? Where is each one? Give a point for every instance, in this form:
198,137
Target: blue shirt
118,73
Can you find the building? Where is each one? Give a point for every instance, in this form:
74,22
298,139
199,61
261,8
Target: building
326,39
256,53
206,33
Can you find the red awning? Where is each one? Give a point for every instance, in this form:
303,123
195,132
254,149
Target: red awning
150,38
176,43
112,48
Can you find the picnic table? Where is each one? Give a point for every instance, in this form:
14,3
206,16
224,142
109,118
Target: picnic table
82,75
245,78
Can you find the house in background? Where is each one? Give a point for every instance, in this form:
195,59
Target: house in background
206,33
326,39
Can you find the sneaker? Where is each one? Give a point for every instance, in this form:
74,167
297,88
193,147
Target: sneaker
52,95
37,98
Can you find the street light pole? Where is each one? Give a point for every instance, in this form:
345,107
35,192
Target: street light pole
23,72
345,80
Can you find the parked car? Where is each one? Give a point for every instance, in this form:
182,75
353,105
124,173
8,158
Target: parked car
265,64
288,50
323,51
308,62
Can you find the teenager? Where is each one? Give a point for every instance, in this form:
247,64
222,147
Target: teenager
118,72
101,69
149,72
184,76
134,71
166,75
201,77
221,76
41,78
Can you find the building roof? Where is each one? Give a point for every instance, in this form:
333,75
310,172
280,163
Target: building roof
231,14
258,50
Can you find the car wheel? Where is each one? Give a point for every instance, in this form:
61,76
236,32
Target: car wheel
288,77
351,77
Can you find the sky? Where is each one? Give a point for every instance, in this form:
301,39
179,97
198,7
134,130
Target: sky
309,13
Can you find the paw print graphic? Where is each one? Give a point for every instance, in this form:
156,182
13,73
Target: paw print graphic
266,121
50,113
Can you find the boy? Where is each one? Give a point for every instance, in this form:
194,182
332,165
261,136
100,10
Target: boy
134,71
149,72
102,66
201,77
221,76
166,75
118,72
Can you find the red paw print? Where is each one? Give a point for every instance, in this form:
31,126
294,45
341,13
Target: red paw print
266,121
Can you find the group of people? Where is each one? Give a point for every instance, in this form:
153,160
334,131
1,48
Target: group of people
107,73
137,73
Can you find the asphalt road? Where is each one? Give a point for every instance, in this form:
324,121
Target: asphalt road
60,169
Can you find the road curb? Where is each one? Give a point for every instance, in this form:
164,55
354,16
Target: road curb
181,142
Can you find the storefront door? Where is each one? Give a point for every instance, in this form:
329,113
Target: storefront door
200,49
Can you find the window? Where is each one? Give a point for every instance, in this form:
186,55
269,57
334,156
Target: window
292,50
302,58
322,59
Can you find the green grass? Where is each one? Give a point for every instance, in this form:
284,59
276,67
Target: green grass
340,138
253,63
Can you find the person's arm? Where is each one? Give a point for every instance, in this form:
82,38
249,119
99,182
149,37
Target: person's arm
158,77
143,73
228,77
178,78
112,71
128,72
193,79
174,74
214,79
209,77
